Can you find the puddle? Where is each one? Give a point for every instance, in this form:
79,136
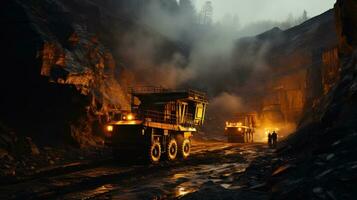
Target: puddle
182,181
226,186
185,189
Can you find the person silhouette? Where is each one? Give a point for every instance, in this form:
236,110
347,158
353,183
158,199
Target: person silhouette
270,139
274,138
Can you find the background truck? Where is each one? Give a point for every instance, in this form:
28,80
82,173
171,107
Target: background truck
241,129
160,124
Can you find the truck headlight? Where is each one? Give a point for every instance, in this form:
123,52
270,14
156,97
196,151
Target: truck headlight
110,128
130,117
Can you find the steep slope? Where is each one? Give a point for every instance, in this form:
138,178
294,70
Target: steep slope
63,65
277,74
319,160
287,66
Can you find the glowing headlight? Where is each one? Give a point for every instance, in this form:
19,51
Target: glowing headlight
110,128
130,117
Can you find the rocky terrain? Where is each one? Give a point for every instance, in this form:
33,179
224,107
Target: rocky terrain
283,72
318,161
63,77
65,73
216,170
73,73
65,69
293,65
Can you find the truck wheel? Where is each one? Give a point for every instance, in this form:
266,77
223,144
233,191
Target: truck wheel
155,152
185,149
171,150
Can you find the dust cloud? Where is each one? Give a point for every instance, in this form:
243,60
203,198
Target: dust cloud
174,51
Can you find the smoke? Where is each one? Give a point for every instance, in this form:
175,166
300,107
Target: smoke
223,107
152,52
258,27
226,104
172,50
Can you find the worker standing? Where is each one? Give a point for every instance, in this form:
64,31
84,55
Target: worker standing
270,139
274,138
252,135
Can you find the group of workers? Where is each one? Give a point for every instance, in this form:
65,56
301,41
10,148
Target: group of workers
272,139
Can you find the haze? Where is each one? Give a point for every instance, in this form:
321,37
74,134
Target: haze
250,11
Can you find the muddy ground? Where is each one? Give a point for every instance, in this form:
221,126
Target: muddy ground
216,170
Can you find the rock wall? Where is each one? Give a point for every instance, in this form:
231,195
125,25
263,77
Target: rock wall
346,16
320,156
297,62
63,65
330,69
288,92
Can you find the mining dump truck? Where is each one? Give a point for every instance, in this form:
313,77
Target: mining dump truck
241,128
159,126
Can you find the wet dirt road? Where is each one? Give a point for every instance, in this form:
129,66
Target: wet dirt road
213,162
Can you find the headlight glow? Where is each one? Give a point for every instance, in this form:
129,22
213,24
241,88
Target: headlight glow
130,117
110,128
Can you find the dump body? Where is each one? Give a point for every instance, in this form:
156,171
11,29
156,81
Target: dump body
160,120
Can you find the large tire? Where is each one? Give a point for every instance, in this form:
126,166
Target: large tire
185,149
155,152
171,150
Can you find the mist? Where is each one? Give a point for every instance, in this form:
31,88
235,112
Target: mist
205,54
253,11
176,50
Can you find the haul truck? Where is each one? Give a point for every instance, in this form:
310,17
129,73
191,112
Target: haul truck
160,124
241,128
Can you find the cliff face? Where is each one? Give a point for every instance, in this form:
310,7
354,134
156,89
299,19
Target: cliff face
298,64
63,65
321,154
55,70
346,27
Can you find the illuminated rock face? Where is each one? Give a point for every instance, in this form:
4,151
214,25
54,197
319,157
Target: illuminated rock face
336,105
330,69
288,93
64,62
59,74
303,62
329,127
